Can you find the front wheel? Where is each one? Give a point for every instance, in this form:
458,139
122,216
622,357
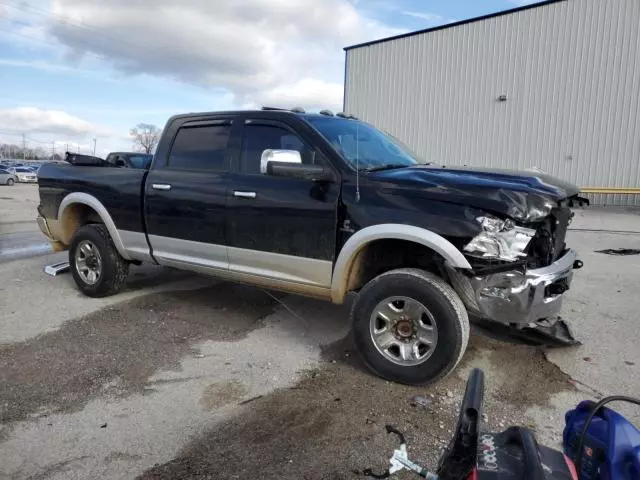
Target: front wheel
10,181
96,266
410,326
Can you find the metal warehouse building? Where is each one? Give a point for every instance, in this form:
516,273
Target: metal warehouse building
553,85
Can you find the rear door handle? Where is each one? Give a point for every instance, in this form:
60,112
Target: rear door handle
237,193
161,186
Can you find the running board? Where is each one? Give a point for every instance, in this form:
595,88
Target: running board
556,335
56,268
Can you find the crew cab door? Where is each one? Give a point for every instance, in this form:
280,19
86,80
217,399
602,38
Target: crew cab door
186,195
278,227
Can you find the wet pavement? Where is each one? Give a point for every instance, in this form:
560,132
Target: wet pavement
14,246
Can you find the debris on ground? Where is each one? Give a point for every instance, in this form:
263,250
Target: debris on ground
420,400
620,251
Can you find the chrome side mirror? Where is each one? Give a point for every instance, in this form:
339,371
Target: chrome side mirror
285,156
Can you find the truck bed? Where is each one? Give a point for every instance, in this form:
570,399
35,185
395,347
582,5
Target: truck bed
119,190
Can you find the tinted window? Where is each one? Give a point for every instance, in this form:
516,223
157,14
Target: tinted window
257,138
200,147
140,161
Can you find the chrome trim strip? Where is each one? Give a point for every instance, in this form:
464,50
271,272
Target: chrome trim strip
288,268
135,244
389,231
167,249
237,193
44,227
93,202
254,280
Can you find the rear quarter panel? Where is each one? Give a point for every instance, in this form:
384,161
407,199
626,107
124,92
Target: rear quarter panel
118,189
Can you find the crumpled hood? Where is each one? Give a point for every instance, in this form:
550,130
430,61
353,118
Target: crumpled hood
526,196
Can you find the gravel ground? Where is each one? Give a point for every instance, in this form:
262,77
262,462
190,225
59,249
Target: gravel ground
330,425
18,208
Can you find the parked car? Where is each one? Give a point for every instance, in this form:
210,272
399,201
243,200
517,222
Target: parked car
6,177
329,207
24,174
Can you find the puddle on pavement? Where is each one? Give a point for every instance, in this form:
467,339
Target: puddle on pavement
114,351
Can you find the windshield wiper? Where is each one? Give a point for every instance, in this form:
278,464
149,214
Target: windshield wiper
386,166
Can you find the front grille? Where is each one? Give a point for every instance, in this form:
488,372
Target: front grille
562,217
548,244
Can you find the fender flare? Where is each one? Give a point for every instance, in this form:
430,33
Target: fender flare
397,231
93,202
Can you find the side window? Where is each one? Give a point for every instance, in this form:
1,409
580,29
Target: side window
256,138
200,147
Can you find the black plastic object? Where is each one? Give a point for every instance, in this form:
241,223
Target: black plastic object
85,160
459,459
620,251
515,455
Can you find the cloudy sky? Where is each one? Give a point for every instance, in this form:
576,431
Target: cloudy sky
74,70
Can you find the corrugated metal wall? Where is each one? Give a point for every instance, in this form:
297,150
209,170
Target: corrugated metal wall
571,73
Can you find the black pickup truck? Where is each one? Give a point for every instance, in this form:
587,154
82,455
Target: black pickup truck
327,206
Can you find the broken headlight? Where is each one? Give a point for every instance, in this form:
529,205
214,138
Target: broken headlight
499,239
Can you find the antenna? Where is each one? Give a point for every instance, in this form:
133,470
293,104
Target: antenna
357,163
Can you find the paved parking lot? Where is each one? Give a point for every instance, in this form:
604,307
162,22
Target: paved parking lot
182,376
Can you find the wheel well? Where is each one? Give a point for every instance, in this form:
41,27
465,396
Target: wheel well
75,216
381,256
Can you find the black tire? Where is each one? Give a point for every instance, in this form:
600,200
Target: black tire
439,298
10,181
114,268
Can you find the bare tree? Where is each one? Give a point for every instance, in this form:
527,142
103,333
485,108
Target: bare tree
145,137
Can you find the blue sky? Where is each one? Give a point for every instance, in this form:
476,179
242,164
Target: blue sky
72,70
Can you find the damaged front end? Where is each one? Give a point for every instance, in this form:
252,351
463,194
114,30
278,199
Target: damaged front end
519,276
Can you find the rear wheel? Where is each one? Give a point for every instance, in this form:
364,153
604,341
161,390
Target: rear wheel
96,266
410,326
10,181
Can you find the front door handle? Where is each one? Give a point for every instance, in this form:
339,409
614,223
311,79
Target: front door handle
237,193
161,186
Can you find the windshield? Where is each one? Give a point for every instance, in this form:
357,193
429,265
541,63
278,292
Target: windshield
364,146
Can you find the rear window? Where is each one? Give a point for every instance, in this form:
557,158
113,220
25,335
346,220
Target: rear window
140,161
200,147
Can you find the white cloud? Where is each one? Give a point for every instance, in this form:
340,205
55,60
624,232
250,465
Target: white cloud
37,65
426,16
275,51
32,120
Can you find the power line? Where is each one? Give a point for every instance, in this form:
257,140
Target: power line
85,26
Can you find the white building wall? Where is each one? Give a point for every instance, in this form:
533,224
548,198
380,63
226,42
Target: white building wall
571,73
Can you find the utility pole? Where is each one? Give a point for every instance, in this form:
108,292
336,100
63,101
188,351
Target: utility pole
24,148
53,150
94,147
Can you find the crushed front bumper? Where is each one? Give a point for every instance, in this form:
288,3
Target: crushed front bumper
516,297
